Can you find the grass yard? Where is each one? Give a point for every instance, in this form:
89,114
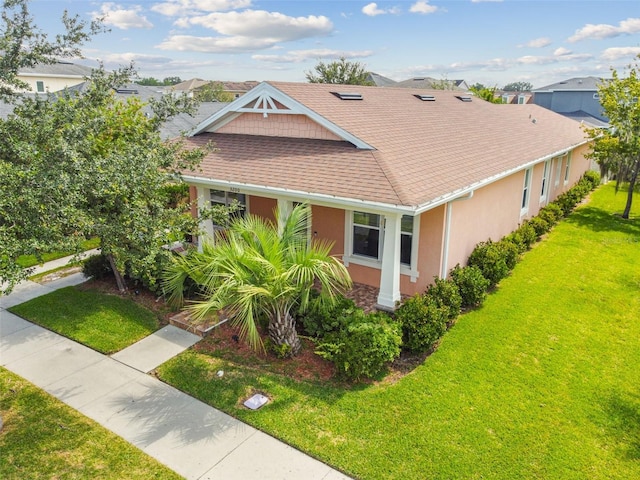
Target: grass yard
26,261
44,439
106,323
542,382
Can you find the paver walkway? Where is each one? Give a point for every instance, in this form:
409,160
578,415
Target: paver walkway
190,437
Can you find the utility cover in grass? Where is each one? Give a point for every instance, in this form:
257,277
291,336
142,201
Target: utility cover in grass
255,402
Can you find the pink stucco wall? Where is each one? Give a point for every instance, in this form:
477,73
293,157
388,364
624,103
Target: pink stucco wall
295,126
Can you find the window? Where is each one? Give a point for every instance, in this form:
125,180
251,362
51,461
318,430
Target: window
406,239
40,86
556,179
221,197
567,169
524,207
366,235
545,181
521,100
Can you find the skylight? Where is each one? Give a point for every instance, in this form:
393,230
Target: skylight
347,96
126,91
463,99
426,98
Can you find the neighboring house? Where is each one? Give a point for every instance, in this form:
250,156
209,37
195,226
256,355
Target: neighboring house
380,81
405,182
515,98
188,87
575,98
53,78
433,83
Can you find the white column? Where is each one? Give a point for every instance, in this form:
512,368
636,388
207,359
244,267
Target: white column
206,226
284,210
389,292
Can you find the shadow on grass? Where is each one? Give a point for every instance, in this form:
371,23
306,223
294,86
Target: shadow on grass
623,415
599,220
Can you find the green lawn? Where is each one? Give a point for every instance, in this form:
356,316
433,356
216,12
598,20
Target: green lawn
542,382
26,261
44,439
106,323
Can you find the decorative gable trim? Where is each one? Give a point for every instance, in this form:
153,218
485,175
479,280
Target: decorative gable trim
267,100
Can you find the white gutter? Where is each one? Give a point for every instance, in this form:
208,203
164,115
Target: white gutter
447,230
367,205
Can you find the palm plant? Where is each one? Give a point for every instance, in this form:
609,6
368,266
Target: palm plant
257,269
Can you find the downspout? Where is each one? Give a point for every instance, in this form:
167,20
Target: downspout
447,232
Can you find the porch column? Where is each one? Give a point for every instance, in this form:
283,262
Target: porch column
389,292
206,226
284,210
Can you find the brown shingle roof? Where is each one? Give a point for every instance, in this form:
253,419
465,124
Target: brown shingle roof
423,150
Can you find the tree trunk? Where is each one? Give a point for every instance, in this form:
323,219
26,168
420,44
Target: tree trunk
282,331
632,185
122,286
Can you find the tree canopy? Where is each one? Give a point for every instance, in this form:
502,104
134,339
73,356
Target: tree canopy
486,93
518,87
340,71
213,92
617,149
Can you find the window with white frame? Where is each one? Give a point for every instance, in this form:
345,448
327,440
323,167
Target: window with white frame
556,180
544,189
521,99
526,192
368,234
227,199
567,170
40,86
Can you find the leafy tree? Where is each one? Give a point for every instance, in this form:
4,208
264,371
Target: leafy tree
213,92
341,72
488,94
518,87
149,81
255,270
171,80
23,45
617,149
85,165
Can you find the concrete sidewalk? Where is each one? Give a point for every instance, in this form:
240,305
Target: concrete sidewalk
190,437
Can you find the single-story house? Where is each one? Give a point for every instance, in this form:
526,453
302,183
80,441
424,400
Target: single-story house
405,182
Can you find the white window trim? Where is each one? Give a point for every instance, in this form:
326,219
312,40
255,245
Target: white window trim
546,177
567,169
349,258
528,173
558,170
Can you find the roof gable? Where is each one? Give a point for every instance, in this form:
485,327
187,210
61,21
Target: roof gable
265,99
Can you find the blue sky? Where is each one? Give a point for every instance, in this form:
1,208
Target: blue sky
492,42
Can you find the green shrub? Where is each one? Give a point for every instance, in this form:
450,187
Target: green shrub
593,178
510,252
471,284
446,295
423,322
551,213
490,258
364,347
96,266
540,226
320,318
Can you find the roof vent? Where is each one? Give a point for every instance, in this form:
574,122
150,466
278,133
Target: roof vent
426,98
347,96
126,91
463,99
419,79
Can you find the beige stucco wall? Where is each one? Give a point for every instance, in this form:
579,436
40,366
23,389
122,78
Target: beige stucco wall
277,125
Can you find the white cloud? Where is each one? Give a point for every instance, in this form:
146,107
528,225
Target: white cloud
603,30
175,8
546,60
537,43
372,10
423,7
561,51
299,56
123,18
616,53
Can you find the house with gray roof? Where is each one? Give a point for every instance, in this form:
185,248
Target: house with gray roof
52,78
575,98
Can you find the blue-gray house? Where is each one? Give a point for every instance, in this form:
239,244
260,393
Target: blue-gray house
576,98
